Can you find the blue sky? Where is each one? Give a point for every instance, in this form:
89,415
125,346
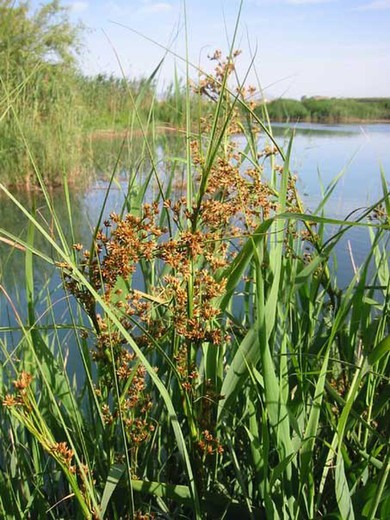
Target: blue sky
299,47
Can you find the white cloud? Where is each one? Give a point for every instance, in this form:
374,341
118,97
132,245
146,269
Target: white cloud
78,7
376,5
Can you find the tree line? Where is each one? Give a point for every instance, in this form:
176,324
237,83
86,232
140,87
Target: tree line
49,108
330,110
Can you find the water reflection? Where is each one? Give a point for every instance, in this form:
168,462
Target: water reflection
319,153
50,302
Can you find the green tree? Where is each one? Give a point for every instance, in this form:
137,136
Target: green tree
39,96
45,38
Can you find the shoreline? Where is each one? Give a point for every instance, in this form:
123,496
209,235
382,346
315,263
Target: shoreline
334,123
106,133
112,133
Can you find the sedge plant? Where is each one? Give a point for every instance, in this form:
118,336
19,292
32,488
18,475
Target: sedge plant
225,372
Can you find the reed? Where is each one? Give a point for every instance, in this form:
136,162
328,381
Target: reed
38,99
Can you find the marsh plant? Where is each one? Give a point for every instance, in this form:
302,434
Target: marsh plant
225,372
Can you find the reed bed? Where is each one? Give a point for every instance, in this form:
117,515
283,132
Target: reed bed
224,373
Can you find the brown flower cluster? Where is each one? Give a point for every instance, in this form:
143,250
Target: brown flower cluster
63,454
201,325
379,214
139,515
177,308
236,198
188,372
134,239
211,85
20,398
208,444
214,87
135,402
135,407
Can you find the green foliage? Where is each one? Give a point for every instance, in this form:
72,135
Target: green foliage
109,101
43,39
329,110
338,110
39,99
287,110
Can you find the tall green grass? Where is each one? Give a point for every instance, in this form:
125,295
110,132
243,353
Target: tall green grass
223,371
38,101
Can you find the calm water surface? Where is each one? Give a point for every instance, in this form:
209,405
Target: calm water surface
359,152
323,151
320,152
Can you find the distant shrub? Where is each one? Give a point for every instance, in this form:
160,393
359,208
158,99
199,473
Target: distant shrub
328,110
287,110
339,110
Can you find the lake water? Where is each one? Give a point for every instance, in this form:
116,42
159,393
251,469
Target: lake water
320,152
